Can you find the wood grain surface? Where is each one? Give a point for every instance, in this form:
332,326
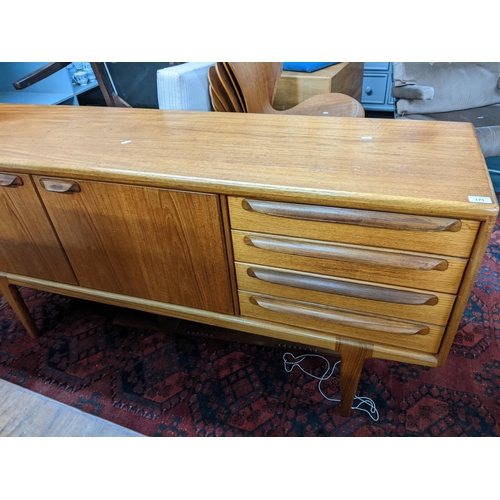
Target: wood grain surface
219,90
343,317
341,287
296,86
470,274
14,298
232,84
328,106
343,253
396,165
329,320
367,218
288,333
446,281
28,243
217,105
347,294
219,74
146,242
457,244
353,357
257,81
254,81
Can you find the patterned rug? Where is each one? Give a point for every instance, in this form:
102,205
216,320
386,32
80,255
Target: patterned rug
193,385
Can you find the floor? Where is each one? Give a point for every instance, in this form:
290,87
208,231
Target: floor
24,413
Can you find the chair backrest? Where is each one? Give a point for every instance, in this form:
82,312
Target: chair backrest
457,86
184,87
258,82
276,71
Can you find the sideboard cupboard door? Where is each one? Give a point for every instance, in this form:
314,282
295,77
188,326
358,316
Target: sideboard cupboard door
28,244
143,242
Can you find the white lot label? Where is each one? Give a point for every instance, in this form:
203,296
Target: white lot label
479,199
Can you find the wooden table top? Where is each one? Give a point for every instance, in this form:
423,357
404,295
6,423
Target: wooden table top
395,165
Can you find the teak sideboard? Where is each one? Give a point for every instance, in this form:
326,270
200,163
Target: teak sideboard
356,236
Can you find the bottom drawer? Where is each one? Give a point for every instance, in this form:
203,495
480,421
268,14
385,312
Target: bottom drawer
342,322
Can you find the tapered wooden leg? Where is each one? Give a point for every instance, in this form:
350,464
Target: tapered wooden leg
16,301
353,358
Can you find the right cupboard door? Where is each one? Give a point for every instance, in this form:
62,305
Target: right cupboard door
143,242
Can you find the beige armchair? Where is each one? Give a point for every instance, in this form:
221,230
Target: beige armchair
464,92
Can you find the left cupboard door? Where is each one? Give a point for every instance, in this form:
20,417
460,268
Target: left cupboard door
28,243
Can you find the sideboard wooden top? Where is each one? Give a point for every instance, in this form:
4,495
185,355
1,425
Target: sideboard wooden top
398,165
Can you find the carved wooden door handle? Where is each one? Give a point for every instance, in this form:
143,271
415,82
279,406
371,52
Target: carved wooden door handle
346,288
369,218
10,180
60,185
346,254
338,316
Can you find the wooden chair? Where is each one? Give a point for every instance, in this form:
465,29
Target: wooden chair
254,86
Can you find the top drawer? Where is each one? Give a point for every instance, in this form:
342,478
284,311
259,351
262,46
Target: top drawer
374,89
445,236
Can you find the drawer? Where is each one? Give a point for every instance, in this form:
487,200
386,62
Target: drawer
426,272
376,66
361,326
374,88
397,302
359,227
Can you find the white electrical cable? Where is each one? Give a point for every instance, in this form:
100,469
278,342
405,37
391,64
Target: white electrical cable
289,365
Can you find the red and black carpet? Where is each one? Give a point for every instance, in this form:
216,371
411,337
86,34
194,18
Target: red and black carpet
194,385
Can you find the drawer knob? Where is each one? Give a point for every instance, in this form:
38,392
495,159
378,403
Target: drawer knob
368,91
9,180
60,185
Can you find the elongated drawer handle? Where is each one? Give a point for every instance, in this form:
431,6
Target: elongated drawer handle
9,180
60,185
338,316
345,288
346,254
369,218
